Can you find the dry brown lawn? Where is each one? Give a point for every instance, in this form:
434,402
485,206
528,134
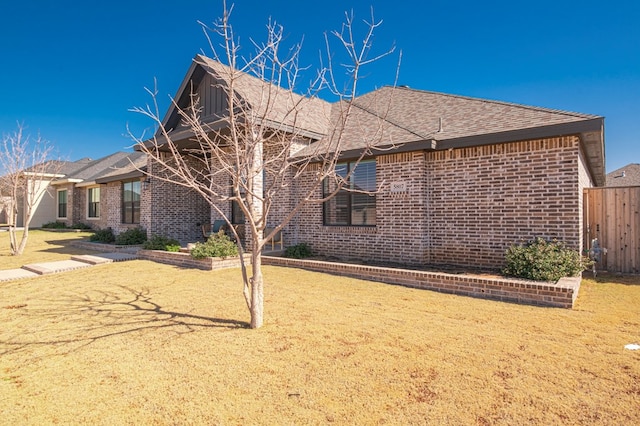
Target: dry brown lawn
144,343
42,246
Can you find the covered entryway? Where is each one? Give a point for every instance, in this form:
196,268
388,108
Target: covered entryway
612,215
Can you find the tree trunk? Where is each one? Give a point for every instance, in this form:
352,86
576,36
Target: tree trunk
257,291
23,241
13,240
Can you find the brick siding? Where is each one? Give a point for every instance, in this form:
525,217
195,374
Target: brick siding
184,260
172,210
461,207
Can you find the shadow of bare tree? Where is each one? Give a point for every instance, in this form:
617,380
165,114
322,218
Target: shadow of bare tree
76,321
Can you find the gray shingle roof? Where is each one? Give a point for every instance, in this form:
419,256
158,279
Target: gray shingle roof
628,175
403,118
97,167
443,116
87,171
59,167
126,167
271,101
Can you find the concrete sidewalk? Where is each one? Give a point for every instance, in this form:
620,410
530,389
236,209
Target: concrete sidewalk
76,262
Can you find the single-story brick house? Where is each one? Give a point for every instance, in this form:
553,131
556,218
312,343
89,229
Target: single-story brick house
462,178
100,193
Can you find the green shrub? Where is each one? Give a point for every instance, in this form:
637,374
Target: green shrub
132,237
218,245
173,247
82,226
103,236
299,251
543,260
54,225
159,242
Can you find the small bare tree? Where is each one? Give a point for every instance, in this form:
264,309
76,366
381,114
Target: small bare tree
272,145
26,170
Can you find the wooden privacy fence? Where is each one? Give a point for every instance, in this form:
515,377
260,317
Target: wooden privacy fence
612,215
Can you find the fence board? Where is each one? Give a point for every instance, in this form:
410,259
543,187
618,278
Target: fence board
613,216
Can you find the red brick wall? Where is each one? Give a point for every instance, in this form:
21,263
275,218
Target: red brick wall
483,199
173,210
463,206
460,207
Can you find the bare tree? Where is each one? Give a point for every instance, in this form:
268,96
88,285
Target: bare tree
272,145
26,170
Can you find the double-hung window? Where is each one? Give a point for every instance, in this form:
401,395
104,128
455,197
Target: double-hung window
355,203
62,204
131,202
93,207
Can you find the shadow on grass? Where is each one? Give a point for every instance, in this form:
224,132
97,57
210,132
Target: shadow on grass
67,325
613,278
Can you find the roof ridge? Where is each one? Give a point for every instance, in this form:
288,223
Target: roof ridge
493,101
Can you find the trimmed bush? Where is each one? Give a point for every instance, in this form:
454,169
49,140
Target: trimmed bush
81,226
299,251
218,245
543,260
103,236
54,225
132,237
159,242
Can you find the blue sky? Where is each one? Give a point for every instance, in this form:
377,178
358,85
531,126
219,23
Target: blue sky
71,70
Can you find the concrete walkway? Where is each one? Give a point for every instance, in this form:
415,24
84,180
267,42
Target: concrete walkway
76,262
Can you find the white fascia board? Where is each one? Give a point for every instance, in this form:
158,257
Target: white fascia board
63,181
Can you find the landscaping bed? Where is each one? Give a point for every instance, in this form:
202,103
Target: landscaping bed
185,260
482,284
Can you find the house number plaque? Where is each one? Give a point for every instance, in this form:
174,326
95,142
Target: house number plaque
398,187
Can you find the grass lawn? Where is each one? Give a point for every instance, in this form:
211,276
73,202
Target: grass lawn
144,343
42,246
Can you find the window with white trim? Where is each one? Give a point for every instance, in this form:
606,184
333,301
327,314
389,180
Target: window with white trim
62,204
93,202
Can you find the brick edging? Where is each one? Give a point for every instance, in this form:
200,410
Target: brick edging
561,294
185,260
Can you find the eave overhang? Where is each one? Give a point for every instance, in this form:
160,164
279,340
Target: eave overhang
65,181
43,175
121,177
590,133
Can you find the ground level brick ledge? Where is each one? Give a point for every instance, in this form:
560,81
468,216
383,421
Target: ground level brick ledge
561,294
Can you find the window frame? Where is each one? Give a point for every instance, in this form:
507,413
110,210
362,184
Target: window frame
96,204
349,206
66,203
123,203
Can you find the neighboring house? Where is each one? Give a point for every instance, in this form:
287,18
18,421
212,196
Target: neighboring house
628,175
462,178
96,193
92,192
44,201
5,209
